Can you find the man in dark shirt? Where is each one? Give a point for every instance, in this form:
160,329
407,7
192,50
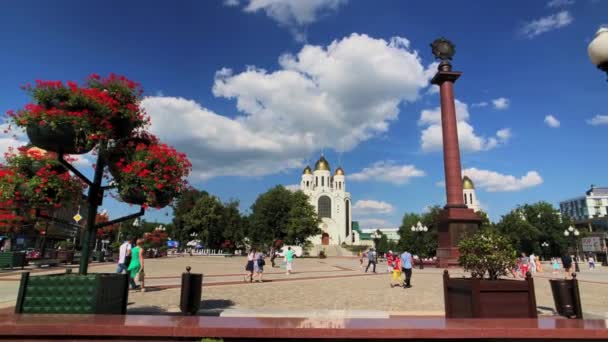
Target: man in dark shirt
567,262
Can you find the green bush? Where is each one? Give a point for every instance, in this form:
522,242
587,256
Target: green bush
486,252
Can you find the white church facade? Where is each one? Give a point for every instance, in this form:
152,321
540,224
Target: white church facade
468,191
327,193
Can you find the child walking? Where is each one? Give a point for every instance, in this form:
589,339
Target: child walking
396,272
555,265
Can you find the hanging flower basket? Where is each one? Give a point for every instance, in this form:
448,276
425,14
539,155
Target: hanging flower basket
124,150
40,185
63,138
152,175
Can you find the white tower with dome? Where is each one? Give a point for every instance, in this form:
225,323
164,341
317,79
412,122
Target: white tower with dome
468,191
327,193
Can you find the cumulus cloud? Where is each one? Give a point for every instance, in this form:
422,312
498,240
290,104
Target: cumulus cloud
560,3
501,103
373,223
388,172
295,15
480,104
369,207
497,182
323,97
431,138
552,121
292,187
598,120
546,24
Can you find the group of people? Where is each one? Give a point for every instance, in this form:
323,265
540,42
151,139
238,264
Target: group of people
396,264
532,263
131,261
254,269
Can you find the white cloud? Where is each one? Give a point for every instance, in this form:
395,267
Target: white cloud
501,103
295,15
546,24
433,89
323,97
598,120
480,104
10,138
496,182
231,3
373,223
431,138
440,184
387,171
368,207
552,121
560,3
292,187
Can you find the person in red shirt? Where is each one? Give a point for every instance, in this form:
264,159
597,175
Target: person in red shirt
389,261
396,272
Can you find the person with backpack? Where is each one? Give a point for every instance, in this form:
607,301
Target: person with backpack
371,260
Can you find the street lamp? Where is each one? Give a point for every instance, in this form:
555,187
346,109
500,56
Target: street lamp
545,246
598,49
419,229
573,233
375,237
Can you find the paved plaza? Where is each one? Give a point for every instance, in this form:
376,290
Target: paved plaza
319,287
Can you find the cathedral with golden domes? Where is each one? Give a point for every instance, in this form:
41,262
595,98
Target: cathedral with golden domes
327,193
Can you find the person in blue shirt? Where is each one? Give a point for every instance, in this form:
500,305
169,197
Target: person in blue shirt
406,267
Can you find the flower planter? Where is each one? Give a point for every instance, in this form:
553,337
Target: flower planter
566,297
138,197
100,293
480,298
121,127
12,259
61,139
123,151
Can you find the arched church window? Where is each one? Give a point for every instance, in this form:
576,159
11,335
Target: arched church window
471,198
465,199
347,217
322,181
324,206
317,181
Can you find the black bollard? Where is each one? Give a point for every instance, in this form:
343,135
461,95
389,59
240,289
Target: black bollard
192,287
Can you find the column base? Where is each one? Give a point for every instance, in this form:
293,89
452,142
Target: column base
454,222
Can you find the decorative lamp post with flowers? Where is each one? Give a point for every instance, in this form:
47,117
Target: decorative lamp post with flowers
419,230
573,233
103,114
545,246
598,49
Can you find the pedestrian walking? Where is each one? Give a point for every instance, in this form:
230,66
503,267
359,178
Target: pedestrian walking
525,264
532,263
124,255
371,260
390,261
555,265
539,266
258,266
591,262
361,254
289,260
567,263
136,266
406,267
249,266
396,279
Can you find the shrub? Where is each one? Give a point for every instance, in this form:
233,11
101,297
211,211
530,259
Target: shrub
486,252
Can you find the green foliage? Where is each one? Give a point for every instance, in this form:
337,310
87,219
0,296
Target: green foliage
424,244
183,204
529,225
280,214
486,252
383,244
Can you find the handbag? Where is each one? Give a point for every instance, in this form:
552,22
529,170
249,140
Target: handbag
261,262
141,275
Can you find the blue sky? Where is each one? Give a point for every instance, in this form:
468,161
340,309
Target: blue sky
253,90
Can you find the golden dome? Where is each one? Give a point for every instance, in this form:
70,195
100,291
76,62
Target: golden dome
467,183
322,164
307,170
339,171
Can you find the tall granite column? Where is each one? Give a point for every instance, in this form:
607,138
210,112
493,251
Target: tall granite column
455,218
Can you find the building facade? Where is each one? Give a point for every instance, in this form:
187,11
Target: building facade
468,192
591,208
327,193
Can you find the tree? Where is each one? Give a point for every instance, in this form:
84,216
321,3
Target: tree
383,243
183,205
206,220
424,244
280,214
